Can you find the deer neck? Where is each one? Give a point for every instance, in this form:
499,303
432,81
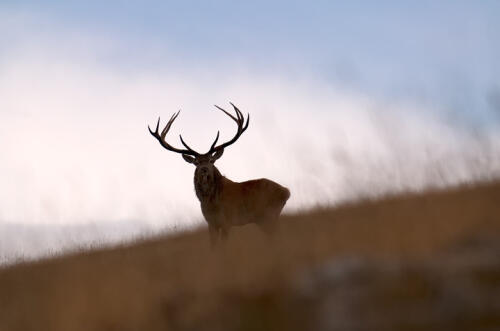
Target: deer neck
208,192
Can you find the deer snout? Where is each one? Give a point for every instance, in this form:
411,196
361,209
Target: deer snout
204,174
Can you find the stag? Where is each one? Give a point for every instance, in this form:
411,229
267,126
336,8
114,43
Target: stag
225,203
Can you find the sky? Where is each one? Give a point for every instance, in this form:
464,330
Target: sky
347,100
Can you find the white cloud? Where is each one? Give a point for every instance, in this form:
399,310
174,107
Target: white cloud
75,146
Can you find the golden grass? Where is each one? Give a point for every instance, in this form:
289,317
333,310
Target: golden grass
292,281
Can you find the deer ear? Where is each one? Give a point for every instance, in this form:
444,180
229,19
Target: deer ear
188,159
216,155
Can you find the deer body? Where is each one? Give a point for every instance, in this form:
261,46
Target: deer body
257,201
225,203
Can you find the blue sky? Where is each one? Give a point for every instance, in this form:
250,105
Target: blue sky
347,99
441,52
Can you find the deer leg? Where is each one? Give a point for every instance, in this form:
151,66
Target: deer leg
269,226
224,231
214,235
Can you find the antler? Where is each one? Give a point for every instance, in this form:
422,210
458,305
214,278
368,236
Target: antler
161,137
242,126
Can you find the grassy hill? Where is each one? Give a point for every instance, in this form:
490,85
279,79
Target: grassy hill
414,262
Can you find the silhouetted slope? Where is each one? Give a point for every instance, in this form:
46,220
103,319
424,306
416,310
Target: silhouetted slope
412,262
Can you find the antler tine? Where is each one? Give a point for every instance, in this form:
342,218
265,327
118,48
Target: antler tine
215,141
186,145
241,116
242,126
248,121
228,114
169,124
157,126
238,112
163,142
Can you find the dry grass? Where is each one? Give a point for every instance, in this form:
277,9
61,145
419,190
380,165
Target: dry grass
371,265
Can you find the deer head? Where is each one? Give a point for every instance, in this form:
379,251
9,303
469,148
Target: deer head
206,174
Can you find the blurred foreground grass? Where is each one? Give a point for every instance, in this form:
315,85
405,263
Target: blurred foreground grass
411,262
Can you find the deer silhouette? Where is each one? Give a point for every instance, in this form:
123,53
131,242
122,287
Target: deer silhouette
225,203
